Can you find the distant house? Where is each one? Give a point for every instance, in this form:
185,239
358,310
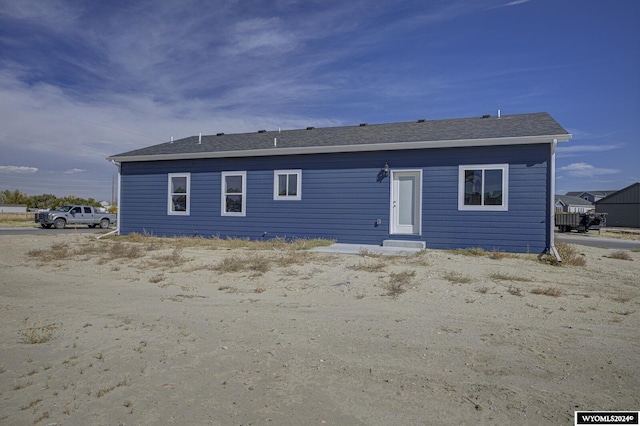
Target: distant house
13,208
622,207
474,182
572,204
591,196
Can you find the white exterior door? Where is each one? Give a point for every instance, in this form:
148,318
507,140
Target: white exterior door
406,202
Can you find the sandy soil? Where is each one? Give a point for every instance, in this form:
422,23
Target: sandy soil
175,337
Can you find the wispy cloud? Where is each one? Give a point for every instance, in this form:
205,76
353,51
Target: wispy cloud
578,150
516,2
74,171
581,170
18,169
510,4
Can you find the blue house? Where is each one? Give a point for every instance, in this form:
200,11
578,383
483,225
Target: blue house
473,182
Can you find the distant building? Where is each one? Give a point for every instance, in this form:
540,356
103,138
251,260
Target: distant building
591,196
622,207
13,208
572,204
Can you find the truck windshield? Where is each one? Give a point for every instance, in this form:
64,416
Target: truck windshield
63,209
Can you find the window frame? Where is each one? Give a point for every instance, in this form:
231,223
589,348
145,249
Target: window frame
276,184
483,167
170,194
223,193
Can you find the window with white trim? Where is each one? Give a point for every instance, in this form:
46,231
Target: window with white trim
483,187
234,190
179,194
287,185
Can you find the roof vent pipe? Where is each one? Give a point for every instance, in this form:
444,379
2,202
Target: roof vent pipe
171,139
275,142
200,138
498,113
486,116
363,124
310,128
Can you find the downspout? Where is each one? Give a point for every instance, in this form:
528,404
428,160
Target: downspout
552,201
117,230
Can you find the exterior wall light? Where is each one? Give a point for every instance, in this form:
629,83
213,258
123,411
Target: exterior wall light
386,169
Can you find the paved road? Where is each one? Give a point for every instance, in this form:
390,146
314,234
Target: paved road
593,240
40,231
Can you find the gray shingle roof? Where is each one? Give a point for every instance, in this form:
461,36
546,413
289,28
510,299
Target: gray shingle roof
596,193
358,137
572,200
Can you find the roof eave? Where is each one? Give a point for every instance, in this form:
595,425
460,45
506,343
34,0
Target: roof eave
460,143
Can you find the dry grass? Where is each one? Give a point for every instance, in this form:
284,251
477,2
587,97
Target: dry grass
157,278
549,291
568,254
170,260
120,250
516,291
472,251
254,263
363,252
21,384
622,298
398,283
217,243
497,276
37,333
620,255
228,289
105,390
376,266
456,278
31,404
483,290
57,251
499,255
293,257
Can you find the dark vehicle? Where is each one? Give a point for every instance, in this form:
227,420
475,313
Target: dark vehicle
581,222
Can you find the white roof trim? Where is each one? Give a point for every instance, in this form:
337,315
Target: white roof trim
524,140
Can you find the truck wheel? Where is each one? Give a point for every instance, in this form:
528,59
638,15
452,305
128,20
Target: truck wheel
59,223
104,223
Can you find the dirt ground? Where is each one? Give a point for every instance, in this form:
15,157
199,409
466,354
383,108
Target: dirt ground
109,332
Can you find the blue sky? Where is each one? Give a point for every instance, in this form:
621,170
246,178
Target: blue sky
82,80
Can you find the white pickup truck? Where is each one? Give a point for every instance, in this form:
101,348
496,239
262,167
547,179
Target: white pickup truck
74,215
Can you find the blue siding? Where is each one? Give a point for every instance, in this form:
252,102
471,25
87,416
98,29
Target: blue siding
342,197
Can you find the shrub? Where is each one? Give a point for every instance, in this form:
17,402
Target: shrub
457,278
620,254
569,255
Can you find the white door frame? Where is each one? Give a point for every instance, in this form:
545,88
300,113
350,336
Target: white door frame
394,226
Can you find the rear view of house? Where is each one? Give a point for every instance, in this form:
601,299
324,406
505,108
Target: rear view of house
474,182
